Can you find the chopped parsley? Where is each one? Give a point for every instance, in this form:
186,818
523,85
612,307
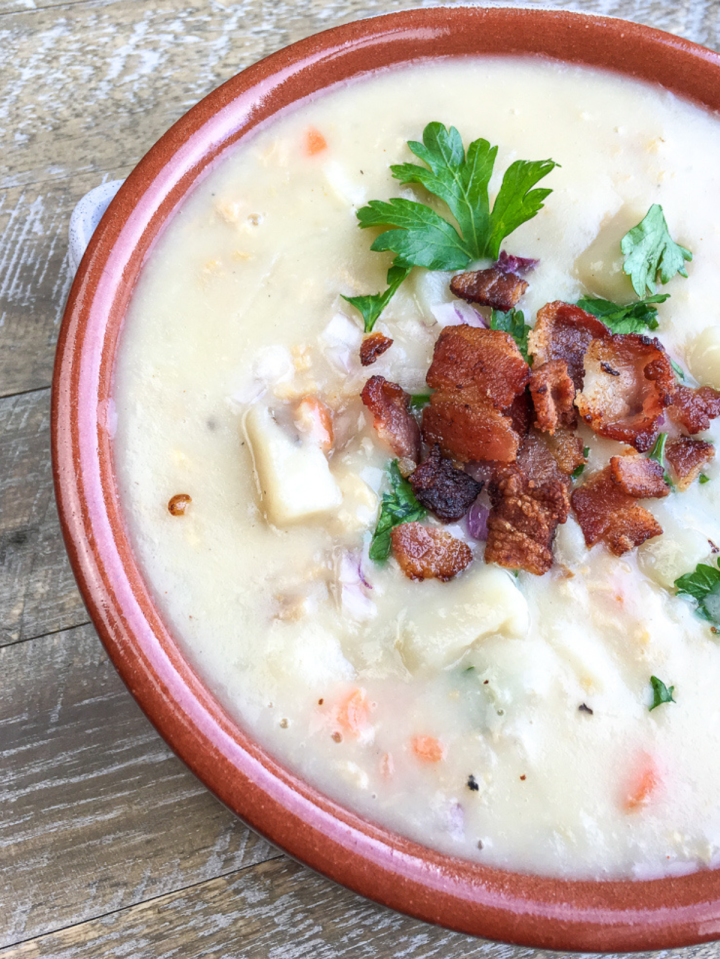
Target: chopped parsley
704,479
398,506
661,693
633,318
372,305
657,453
703,584
679,372
420,236
579,470
649,249
419,400
512,322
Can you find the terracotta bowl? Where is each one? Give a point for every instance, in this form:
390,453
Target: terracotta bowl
372,861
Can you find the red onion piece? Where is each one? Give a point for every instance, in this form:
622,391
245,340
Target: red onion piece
457,314
520,265
477,520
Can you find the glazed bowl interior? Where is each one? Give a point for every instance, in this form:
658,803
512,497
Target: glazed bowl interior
465,896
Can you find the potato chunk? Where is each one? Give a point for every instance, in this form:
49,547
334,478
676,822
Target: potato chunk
294,477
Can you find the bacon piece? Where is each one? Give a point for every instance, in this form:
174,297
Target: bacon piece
529,499
564,332
442,488
607,513
629,382
389,405
688,458
488,361
425,552
373,346
693,409
553,394
494,287
520,413
567,448
639,477
469,428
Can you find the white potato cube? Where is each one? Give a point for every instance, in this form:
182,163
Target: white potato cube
448,618
294,477
704,358
666,558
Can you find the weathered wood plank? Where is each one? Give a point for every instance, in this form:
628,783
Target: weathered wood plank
37,589
276,910
97,813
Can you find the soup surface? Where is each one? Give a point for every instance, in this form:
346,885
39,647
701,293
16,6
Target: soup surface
503,718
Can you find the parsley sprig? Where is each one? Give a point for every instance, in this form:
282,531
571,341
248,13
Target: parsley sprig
398,506
703,585
420,236
633,318
657,453
661,693
513,322
649,249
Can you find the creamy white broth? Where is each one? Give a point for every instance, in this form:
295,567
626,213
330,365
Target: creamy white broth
238,310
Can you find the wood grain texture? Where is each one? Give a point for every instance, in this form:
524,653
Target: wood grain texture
97,812
108,846
276,910
37,589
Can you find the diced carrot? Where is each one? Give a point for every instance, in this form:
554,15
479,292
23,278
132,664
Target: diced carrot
314,418
428,749
315,142
642,785
387,766
353,712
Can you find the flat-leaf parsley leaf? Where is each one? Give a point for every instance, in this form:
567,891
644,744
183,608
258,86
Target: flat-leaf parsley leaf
633,318
420,236
512,322
649,249
703,584
398,506
661,693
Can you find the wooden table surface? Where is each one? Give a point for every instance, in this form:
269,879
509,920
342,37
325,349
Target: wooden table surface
108,846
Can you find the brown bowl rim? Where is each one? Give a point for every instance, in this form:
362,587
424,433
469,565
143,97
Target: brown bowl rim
383,866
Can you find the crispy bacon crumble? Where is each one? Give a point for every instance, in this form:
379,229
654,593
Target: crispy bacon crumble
605,512
425,552
639,477
564,332
553,395
693,409
688,458
442,488
494,287
628,383
373,346
529,500
395,425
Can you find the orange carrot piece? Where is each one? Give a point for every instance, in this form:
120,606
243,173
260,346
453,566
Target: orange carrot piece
315,142
428,749
314,418
642,785
353,712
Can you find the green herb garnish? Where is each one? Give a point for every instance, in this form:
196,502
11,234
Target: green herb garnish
649,249
657,453
679,372
578,471
661,693
704,586
419,400
704,479
398,506
512,322
372,305
633,318
422,237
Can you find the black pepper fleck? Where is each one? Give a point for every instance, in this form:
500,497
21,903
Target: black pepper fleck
472,784
336,737
584,708
608,369
523,777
